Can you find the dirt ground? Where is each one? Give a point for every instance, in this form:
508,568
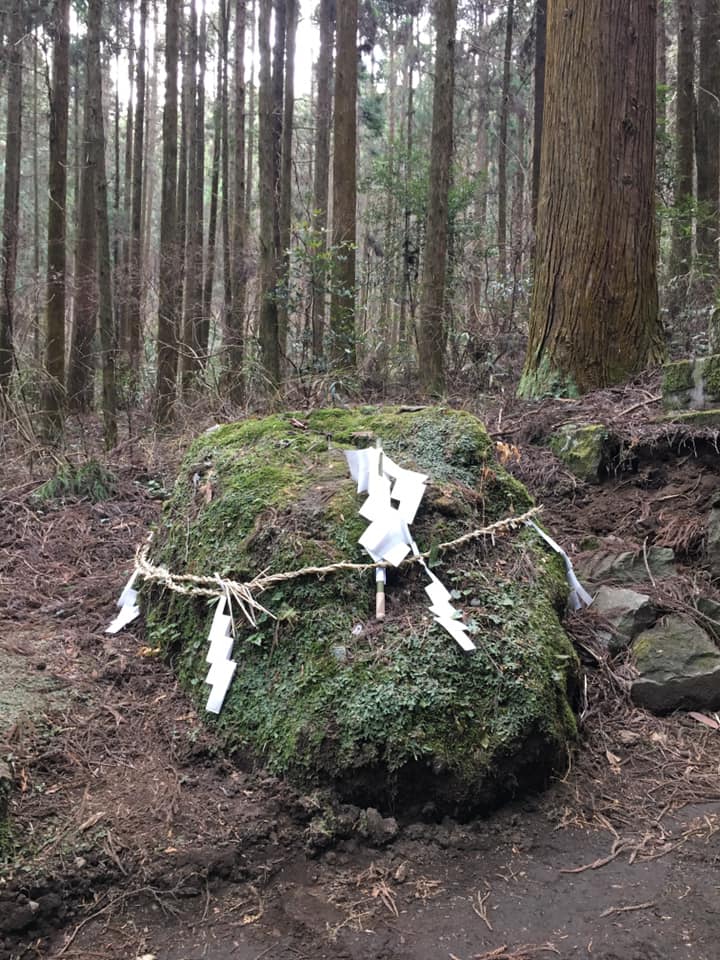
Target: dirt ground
136,837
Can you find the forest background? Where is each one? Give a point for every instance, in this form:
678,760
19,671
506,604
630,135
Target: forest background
310,202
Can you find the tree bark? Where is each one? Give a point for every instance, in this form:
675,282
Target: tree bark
285,211
123,302
136,261
81,362
681,259
538,99
209,280
53,393
342,301
268,324
502,145
11,208
594,315
170,253
235,333
321,176
97,156
432,329
708,139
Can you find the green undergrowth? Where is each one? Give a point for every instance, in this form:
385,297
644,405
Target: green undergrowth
393,713
86,481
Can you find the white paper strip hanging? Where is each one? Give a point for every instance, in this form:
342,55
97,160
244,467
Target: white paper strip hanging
578,596
129,609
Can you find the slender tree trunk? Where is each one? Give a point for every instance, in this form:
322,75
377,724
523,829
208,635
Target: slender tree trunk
123,301
97,140
285,212
432,329
502,145
136,261
11,208
342,301
209,280
594,316
190,360
250,114
53,393
148,191
36,207
81,362
538,100
202,320
684,143
321,176
410,254
170,253
235,333
708,138
662,140
268,327
225,172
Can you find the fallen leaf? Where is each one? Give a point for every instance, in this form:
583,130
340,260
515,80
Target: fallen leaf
705,720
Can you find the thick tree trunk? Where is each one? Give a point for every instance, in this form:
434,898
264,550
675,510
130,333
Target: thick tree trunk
538,99
708,139
11,208
594,315
54,393
502,145
321,176
268,325
136,259
97,155
170,253
432,329
81,362
235,333
342,302
684,143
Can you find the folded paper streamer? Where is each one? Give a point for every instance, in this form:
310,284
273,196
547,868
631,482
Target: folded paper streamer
394,495
222,668
578,596
128,605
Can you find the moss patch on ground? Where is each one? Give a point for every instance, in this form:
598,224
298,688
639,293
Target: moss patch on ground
391,714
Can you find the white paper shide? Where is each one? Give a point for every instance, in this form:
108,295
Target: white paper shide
394,496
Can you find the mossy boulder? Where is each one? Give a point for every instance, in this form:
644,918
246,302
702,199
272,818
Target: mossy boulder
692,384
584,448
391,714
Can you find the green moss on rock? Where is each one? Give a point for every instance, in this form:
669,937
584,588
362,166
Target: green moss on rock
391,713
583,448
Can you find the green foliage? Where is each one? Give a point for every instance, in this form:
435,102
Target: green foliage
86,481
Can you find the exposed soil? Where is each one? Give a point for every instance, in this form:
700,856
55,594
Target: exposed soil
137,837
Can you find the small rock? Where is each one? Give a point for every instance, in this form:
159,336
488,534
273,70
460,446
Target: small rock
401,873
627,612
378,829
583,448
679,668
80,862
6,783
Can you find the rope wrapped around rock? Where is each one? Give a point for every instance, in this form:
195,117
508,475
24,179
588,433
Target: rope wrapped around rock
244,593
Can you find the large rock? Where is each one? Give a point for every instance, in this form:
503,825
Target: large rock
712,542
393,713
679,667
626,611
583,448
692,384
626,566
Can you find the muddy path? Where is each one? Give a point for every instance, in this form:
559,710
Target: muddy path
135,836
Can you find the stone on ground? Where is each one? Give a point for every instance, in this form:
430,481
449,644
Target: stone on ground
626,611
679,667
583,448
394,714
627,566
692,384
